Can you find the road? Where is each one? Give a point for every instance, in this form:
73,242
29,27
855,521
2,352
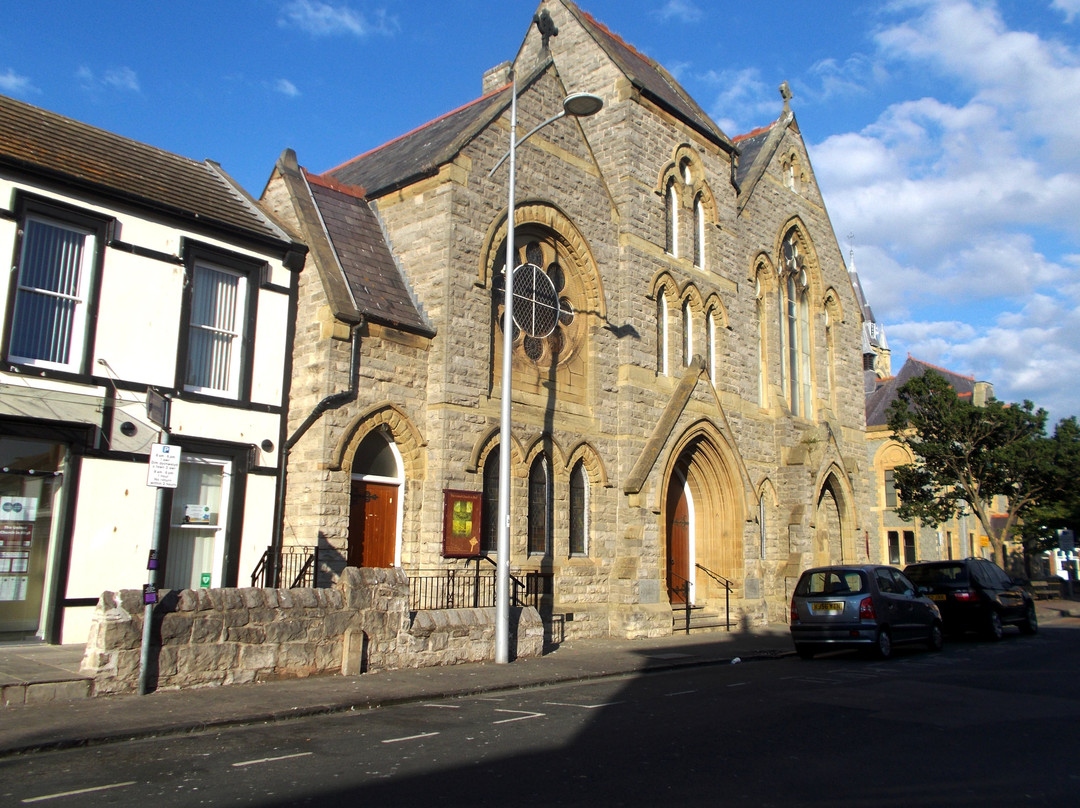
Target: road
981,723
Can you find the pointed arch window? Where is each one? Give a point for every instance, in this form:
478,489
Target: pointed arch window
671,235
662,333
699,232
489,536
710,336
762,525
795,330
762,344
539,507
688,333
579,510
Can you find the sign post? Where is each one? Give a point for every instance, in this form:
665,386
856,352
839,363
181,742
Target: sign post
163,473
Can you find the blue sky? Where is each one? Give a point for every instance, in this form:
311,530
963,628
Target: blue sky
942,132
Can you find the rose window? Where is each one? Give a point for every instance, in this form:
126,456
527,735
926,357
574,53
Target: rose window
545,328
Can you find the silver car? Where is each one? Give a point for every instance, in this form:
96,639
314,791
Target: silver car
872,606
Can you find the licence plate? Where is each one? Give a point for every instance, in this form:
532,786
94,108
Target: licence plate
937,597
827,606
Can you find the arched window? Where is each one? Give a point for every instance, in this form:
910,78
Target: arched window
699,232
762,344
671,237
489,539
579,510
688,333
539,507
684,170
795,330
761,525
662,333
710,336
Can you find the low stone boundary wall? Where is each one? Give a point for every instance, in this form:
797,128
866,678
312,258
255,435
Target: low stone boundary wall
209,637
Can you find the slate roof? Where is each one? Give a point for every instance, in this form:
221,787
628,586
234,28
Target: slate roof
44,143
650,77
877,403
374,280
750,146
419,153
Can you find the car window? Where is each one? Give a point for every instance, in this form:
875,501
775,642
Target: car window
831,582
903,585
885,581
982,575
932,574
998,576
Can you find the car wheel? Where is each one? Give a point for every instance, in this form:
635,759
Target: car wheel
936,640
805,651
994,628
1030,623
883,644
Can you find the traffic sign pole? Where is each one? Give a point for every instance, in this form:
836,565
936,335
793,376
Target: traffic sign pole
164,474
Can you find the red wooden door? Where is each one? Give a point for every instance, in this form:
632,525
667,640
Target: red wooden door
372,524
678,542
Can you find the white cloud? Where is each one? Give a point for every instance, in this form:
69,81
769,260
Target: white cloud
328,19
115,78
286,88
14,84
683,10
962,198
743,92
1070,8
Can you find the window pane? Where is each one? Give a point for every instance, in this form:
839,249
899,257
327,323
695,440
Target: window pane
214,338
197,526
538,508
909,547
47,325
578,510
490,538
894,547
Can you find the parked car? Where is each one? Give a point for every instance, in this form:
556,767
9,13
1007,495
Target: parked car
872,607
976,595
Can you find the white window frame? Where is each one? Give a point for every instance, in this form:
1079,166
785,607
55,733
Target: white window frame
78,323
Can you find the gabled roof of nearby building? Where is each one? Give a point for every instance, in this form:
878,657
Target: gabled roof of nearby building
649,77
878,402
421,152
375,282
42,143
756,151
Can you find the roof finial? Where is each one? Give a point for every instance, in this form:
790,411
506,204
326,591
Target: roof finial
785,93
546,26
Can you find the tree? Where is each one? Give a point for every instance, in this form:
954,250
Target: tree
1061,509
968,455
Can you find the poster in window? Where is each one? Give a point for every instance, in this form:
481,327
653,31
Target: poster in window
461,524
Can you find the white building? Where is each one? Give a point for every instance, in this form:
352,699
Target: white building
132,269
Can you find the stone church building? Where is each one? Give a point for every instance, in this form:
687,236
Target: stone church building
688,425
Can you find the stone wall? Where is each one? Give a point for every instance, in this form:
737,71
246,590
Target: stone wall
211,637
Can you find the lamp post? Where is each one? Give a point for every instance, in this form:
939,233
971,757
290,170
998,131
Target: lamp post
577,105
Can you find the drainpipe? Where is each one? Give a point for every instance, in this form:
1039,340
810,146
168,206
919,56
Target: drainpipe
332,401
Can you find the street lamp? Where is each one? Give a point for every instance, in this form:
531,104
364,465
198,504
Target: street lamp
577,105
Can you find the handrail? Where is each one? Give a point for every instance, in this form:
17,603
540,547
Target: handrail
725,584
687,605
515,599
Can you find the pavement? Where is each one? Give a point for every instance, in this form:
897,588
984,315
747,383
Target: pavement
45,704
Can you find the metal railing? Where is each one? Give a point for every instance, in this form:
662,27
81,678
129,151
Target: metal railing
293,567
473,588
688,607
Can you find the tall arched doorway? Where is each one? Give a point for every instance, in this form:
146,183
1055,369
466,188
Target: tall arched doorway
702,519
829,544
680,540
375,506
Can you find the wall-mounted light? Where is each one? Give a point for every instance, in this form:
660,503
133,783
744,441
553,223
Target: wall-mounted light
267,445
129,429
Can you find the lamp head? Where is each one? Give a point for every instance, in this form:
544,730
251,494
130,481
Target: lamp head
582,105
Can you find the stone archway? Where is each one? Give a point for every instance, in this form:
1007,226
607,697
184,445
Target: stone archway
702,520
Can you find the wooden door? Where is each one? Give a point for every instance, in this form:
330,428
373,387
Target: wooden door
372,524
678,542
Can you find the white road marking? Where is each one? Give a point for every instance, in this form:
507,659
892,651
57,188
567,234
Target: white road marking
582,706
738,684
270,759
444,706
78,791
680,693
411,737
525,716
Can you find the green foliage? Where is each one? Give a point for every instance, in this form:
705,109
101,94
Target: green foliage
1061,507
968,455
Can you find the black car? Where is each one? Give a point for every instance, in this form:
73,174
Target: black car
975,595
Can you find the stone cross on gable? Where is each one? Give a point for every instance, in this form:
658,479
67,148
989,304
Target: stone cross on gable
785,93
546,26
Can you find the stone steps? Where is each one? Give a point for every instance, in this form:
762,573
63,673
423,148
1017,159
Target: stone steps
701,619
